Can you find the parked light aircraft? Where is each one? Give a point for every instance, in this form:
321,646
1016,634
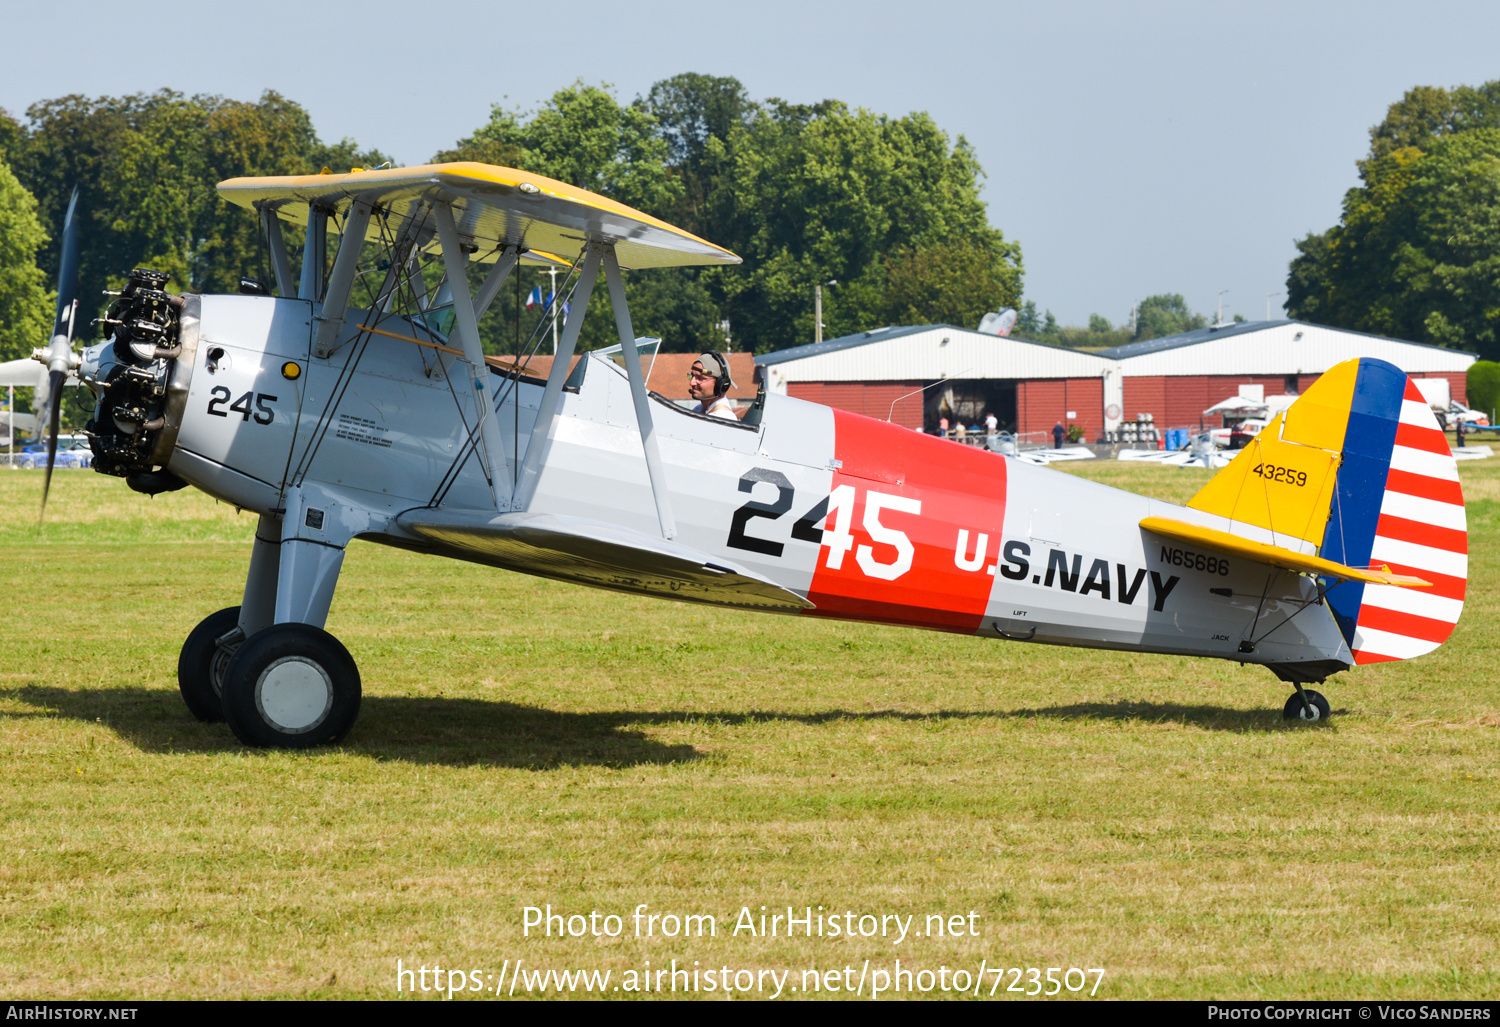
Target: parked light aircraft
356,403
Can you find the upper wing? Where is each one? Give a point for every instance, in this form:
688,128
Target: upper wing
494,206
1275,556
591,553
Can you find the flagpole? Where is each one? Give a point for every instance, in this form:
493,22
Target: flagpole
552,270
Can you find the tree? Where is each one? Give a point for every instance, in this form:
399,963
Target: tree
1165,314
820,192
949,282
804,193
696,115
146,166
1308,285
1416,253
11,133
1428,112
581,136
1028,322
26,304
1483,386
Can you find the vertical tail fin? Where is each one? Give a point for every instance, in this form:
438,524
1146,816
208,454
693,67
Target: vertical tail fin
1358,470
1405,511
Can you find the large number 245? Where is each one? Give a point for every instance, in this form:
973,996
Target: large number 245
839,538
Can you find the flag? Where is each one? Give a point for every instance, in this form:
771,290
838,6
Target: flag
533,297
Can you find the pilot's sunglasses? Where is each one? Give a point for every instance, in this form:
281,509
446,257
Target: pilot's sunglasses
700,374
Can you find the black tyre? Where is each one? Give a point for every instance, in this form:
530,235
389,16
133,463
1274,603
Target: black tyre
1295,710
291,686
200,665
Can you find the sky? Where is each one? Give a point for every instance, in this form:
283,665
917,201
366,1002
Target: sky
1131,148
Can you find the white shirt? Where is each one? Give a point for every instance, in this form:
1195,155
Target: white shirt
720,407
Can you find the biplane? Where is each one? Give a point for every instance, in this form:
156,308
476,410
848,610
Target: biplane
356,403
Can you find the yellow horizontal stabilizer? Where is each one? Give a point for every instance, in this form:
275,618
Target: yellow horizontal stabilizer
1224,542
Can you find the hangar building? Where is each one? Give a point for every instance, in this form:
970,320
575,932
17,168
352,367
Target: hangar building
1177,377
911,375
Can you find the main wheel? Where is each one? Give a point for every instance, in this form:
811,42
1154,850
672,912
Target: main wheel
291,686
1294,710
200,665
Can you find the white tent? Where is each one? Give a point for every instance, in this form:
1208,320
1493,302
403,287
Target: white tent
1238,406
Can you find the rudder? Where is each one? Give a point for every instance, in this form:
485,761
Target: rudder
1399,504
1358,471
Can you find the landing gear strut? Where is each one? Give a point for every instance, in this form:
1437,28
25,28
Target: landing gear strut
267,667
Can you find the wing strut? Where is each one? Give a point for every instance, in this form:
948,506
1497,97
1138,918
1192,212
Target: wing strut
330,319
496,278
286,286
531,463
314,252
466,326
632,356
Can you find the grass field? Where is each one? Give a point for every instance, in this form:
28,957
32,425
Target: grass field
524,743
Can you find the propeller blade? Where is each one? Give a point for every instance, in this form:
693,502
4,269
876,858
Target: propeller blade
59,355
55,380
67,274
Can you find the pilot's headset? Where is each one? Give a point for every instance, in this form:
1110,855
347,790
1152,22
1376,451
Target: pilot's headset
717,364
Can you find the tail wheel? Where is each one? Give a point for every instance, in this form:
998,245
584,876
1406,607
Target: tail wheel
291,686
1316,707
201,665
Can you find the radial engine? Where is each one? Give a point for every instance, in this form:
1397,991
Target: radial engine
140,383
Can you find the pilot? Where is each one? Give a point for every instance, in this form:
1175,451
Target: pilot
709,384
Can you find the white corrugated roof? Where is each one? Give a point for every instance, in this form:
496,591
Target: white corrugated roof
930,352
927,352
1276,347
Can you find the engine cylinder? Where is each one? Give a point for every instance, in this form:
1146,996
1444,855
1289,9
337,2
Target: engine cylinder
131,381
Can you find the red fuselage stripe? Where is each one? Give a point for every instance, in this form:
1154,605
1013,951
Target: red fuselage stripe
917,493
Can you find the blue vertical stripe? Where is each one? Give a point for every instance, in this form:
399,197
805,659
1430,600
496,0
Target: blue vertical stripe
1374,414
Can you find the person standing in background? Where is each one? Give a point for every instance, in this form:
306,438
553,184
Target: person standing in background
1057,435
